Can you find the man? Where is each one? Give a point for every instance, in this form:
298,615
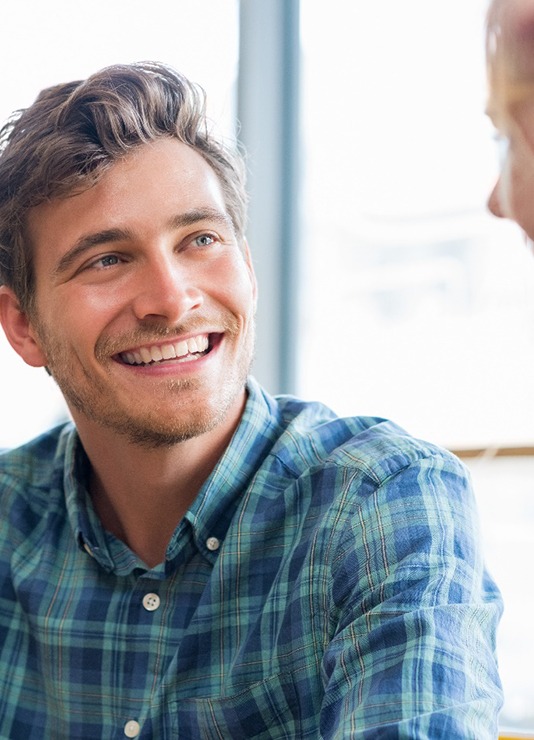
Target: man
192,557
510,56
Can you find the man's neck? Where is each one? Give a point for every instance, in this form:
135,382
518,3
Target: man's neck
141,494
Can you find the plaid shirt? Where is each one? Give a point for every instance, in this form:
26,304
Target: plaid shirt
326,582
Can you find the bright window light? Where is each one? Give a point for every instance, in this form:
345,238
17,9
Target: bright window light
418,305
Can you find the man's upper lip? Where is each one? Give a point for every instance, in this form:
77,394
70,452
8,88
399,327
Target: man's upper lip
166,349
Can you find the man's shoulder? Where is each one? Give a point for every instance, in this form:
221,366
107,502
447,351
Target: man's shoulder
31,486
375,447
37,463
346,471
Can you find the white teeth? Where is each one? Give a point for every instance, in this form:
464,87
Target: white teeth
145,354
202,343
156,354
179,350
168,352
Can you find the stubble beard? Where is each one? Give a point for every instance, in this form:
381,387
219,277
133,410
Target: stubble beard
156,427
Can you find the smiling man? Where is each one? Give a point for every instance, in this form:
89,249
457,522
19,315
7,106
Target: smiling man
191,557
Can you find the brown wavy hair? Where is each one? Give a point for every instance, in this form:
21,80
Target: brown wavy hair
73,132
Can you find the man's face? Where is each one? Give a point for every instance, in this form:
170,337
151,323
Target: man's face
511,108
145,301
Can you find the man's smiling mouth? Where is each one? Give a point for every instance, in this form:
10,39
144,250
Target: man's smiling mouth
183,350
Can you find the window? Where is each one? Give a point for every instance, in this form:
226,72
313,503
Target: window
43,43
416,301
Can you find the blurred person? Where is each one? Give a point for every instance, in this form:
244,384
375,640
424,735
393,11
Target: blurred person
192,557
510,64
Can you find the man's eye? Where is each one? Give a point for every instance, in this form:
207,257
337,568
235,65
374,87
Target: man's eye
108,260
204,240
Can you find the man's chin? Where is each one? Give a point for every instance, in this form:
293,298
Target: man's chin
150,437
153,433
166,426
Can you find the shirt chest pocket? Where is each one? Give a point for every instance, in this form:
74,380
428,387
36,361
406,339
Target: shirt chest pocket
267,710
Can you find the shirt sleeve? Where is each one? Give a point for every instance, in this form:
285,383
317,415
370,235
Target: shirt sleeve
415,614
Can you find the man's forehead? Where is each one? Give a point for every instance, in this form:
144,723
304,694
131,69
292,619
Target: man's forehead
160,181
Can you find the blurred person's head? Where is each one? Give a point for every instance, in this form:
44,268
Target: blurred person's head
510,64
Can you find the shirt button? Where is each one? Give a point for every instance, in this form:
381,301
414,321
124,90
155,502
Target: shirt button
212,543
151,602
132,728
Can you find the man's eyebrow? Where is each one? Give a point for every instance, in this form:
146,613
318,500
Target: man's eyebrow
109,236
84,243
190,218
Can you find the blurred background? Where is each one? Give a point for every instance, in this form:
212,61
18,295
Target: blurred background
385,287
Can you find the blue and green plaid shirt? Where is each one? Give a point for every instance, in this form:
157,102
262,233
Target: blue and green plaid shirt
326,582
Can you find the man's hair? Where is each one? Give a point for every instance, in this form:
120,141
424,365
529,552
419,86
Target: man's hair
67,139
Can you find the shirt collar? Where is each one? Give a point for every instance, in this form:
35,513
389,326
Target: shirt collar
213,508
88,531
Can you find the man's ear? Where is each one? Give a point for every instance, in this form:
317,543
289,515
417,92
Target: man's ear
18,329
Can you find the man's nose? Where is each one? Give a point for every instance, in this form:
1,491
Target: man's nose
494,201
166,290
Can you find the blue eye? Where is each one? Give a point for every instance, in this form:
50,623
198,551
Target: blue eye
204,240
108,260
